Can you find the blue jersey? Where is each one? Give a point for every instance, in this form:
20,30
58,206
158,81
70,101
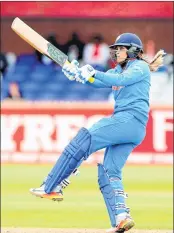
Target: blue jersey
130,87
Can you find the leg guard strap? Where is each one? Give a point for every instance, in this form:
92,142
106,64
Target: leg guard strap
108,193
122,206
73,154
119,192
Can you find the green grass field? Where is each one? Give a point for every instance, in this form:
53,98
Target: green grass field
149,187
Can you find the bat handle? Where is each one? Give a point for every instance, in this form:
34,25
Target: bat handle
67,62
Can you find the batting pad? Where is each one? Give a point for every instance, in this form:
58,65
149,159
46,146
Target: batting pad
76,151
108,193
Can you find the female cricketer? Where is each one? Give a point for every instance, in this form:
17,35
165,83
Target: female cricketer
119,134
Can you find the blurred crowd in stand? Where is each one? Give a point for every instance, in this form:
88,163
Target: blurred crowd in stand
36,77
96,52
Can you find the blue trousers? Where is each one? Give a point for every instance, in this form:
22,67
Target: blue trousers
119,134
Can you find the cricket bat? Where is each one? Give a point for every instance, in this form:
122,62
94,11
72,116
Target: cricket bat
39,43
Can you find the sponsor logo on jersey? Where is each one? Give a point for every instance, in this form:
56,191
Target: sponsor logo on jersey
116,88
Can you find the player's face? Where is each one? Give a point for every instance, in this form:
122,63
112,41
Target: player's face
119,53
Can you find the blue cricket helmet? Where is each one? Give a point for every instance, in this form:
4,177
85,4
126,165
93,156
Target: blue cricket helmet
131,41
128,39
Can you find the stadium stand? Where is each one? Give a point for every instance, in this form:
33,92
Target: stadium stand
38,81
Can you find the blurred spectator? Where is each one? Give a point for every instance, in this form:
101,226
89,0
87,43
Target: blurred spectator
10,91
3,64
11,60
96,52
74,47
14,92
52,38
73,53
162,83
150,49
168,62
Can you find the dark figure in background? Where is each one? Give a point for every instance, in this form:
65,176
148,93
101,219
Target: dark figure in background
3,63
74,47
52,38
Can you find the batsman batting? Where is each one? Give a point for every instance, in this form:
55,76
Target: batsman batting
119,133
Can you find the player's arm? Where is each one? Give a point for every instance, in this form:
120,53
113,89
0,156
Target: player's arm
130,76
133,74
98,84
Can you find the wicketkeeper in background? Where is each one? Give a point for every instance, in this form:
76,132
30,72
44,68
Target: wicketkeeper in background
120,133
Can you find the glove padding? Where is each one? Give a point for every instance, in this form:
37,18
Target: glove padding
85,73
70,69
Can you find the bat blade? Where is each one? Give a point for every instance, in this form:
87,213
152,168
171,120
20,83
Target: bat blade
38,42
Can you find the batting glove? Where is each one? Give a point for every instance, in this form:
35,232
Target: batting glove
70,69
85,73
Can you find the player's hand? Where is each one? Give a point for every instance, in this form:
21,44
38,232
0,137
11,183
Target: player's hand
70,69
85,73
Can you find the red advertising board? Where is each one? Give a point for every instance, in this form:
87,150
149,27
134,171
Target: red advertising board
38,132
88,9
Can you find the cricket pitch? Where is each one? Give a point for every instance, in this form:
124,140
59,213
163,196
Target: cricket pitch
69,230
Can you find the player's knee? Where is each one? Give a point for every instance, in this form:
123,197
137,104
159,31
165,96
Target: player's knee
95,142
80,144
